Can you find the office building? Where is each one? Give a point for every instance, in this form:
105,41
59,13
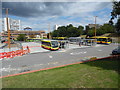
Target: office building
12,23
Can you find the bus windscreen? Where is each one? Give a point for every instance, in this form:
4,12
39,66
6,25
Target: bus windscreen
54,44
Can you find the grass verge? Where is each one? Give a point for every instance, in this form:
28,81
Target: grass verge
95,74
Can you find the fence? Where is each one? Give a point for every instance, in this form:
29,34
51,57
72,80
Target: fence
12,54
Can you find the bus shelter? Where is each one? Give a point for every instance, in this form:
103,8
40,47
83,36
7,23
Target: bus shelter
82,41
74,40
63,44
87,42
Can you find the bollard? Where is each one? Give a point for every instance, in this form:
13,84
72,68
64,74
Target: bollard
13,54
1,56
28,49
19,53
4,55
8,55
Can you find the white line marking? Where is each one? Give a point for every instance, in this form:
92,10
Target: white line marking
50,56
77,53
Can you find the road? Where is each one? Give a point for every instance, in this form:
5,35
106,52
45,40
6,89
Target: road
53,58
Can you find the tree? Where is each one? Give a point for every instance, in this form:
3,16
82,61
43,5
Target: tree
68,31
117,25
55,33
21,37
80,28
116,14
85,32
106,28
90,32
62,31
73,32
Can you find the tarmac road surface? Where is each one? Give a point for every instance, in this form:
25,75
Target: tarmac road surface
53,58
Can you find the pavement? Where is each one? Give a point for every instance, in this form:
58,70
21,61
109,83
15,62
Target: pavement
41,60
35,47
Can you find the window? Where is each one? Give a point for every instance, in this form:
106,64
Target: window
46,43
54,44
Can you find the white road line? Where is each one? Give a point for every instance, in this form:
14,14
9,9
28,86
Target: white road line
77,53
52,63
50,56
100,50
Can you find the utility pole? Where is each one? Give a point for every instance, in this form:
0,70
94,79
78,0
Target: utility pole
95,26
49,36
8,30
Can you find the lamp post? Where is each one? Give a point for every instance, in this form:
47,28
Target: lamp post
49,36
8,30
95,26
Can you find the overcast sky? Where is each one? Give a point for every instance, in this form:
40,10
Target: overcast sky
39,14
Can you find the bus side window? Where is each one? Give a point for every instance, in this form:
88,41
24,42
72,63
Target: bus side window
48,44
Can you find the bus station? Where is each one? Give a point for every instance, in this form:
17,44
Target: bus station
63,44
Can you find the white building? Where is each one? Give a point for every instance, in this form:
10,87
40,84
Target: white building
13,24
56,27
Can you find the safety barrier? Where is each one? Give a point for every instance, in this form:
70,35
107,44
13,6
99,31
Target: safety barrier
12,54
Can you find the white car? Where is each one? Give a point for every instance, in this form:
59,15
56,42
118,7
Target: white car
116,51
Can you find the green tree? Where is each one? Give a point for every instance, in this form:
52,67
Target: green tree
116,14
73,32
81,28
106,28
68,31
117,26
55,33
21,37
62,31
86,30
91,32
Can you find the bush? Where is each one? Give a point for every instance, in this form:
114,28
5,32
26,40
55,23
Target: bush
21,37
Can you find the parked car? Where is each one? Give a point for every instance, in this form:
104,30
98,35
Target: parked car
116,51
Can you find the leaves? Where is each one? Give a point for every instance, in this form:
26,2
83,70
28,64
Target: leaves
68,31
106,28
21,37
116,14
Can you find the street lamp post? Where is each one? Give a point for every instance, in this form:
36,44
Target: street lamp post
8,30
49,36
95,26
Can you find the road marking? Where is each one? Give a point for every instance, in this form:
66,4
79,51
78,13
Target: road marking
77,53
8,69
52,63
100,50
50,56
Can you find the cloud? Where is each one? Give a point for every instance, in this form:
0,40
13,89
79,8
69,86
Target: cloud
38,14
36,9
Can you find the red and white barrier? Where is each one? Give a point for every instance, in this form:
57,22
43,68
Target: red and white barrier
12,54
